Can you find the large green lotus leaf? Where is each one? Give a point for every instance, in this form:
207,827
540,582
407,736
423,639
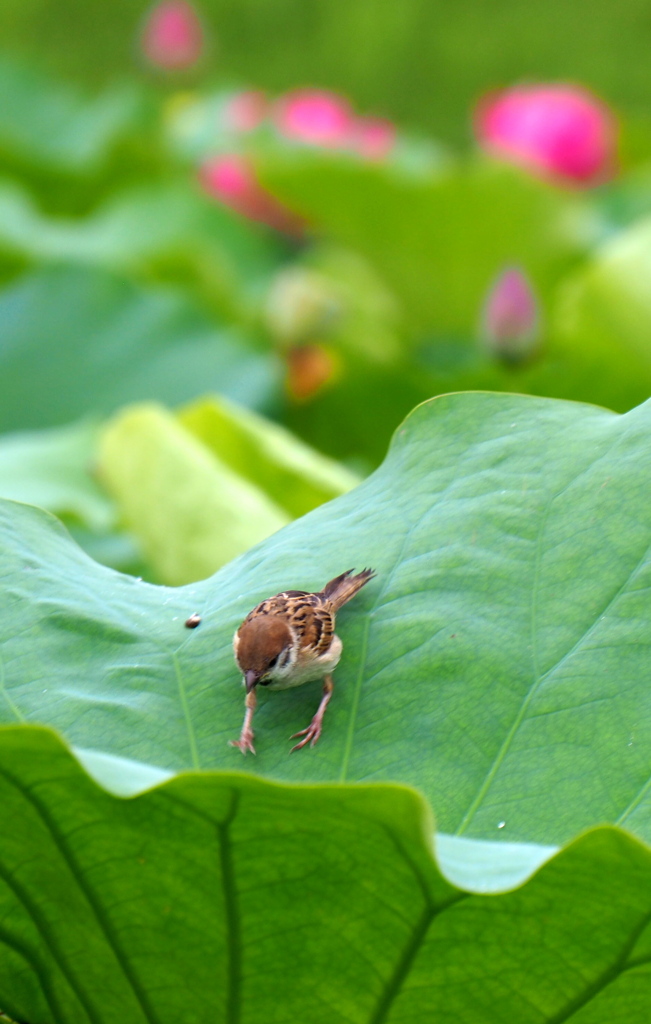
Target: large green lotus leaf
478,865
52,124
52,468
294,475
219,897
76,340
189,509
438,240
499,661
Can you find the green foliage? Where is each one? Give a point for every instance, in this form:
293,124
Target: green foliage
423,63
497,662
201,491
294,475
406,251
444,237
159,230
439,238
93,341
221,897
52,468
191,512
603,322
52,124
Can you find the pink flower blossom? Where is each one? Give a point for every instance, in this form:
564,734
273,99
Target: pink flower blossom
231,180
246,110
510,319
561,131
315,116
173,36
374,137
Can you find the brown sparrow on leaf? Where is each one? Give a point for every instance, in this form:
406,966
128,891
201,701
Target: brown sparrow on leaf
290,639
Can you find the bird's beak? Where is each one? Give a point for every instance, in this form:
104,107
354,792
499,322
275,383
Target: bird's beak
250,679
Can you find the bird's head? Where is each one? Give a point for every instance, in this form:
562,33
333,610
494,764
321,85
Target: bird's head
262,644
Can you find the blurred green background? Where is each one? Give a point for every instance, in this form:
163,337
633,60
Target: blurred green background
422,62
206,330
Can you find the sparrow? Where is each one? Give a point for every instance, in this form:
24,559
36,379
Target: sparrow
290,639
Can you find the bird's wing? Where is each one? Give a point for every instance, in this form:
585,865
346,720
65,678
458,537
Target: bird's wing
340,590
310,617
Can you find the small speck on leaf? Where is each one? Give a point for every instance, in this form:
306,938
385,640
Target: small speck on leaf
193,621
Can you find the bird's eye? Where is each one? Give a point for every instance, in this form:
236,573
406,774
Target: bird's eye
273,662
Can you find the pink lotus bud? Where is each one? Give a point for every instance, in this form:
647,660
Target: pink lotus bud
315,116
173,35
510,320
246,110
231,179
562,131
374,137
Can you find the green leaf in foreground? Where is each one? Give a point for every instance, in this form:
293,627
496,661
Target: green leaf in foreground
499,662
92,342
217,897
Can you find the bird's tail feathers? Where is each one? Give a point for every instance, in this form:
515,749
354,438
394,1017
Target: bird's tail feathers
343,587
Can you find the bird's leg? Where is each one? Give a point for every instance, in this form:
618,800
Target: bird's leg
245,741
313,730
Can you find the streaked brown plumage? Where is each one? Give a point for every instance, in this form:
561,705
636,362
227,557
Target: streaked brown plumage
290,639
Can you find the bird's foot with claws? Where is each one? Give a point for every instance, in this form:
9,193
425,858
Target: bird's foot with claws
311,734
245,741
